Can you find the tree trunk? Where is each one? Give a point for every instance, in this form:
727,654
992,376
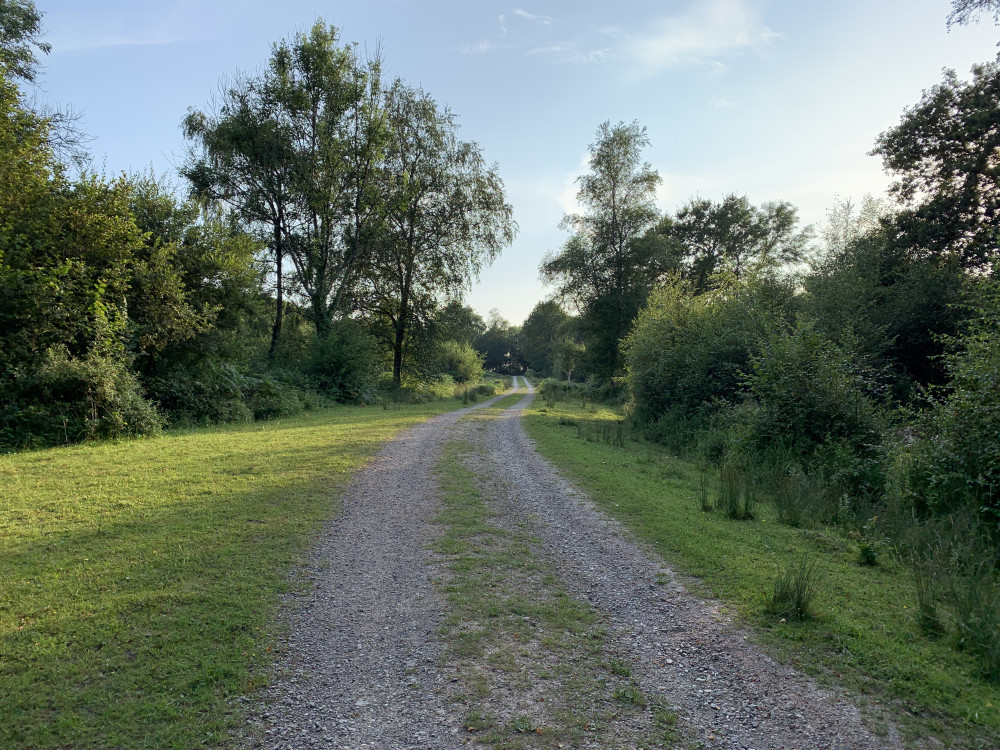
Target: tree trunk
397,353
278,292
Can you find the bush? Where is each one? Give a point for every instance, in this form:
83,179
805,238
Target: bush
814,410
459,360
956,465
345,364
69,399
688,355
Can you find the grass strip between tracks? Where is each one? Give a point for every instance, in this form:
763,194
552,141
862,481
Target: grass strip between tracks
532,663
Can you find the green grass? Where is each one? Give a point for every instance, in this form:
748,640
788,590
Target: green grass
531,661
139,581
864,633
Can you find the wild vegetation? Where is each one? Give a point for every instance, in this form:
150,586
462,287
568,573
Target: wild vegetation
332,221
845,379
829,390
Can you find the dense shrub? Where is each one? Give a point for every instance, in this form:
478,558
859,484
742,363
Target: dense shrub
67,399
957,461
459,360
345,365
813,408
689,354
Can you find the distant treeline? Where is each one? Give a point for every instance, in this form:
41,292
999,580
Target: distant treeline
316,252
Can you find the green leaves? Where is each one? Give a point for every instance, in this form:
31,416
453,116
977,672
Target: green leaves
943,154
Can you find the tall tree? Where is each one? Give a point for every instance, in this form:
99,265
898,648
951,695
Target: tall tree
943,154
296,151
737,235
332,106
445,214
500,345
243,156
541,335
597,269
20,27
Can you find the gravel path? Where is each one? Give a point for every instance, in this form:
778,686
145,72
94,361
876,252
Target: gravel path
361,665
359,668
731,695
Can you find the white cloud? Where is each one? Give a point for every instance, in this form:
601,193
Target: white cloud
719,103
503,25
483,45
544,20
707,30
568,52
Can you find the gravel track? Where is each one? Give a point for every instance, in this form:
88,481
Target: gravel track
731,695
360,667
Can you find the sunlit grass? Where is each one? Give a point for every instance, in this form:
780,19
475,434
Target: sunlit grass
865,632
139,581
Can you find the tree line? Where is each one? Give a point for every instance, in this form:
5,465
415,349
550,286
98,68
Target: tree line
850,375
327,225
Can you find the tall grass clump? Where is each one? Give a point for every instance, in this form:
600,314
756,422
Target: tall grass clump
794,591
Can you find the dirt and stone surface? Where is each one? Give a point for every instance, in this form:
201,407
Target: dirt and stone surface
369,661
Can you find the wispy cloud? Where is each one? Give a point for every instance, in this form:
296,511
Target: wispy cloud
483,45
720,103
708,30
544,20
75,30
570,52
706,33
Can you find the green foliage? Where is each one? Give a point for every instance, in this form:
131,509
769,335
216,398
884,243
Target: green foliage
794,591
942,154
541,335
957,459
737,236
20,26
69,399
689,354
886,302
460,361
814,408
601,268
344,365
500,346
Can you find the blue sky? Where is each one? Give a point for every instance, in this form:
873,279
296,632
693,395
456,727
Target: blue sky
777,99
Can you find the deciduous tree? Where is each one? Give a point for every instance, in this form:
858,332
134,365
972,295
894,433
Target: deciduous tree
445,214
597,269
944,156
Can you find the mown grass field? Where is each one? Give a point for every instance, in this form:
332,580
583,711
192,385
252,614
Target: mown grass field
139,581
864,636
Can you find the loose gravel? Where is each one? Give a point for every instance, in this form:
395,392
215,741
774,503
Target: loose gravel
731,695
361,666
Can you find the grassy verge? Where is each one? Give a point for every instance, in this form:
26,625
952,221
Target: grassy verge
139,581
864,633
532,663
